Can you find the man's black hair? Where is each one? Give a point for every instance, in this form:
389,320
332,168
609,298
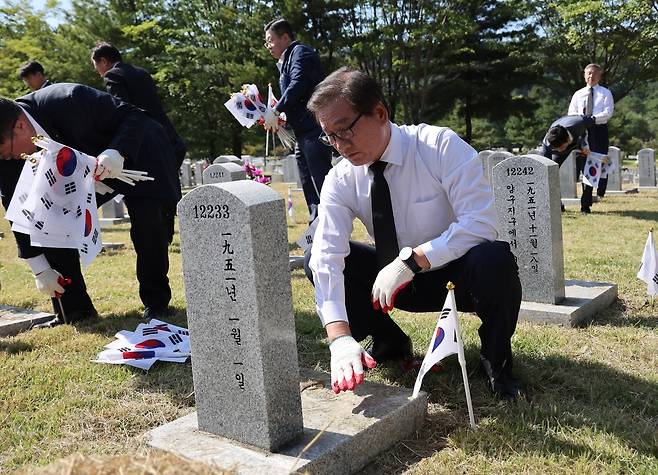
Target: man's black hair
9,112
557,136
29,68
279,27
107,51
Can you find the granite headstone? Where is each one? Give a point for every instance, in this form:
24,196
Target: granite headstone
492,160
614,176
199,165
482,155
223,172
527,201
646,163
227,159
186,173
234,246
568,176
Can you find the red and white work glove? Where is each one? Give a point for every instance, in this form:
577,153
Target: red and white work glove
47,279
390,280
271,120
109,164
347,361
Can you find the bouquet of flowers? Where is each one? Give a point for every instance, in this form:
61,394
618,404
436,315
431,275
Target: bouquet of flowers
248,108
255,173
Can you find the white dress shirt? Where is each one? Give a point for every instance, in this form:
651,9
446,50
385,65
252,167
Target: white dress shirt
440,198
604,105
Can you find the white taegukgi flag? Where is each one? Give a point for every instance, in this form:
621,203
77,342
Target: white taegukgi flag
291,209
55,200
596,167
446,341
648,271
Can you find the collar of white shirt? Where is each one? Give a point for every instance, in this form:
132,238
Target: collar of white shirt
393,152
37,128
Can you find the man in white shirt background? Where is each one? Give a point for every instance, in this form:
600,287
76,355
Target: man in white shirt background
420,192
593,101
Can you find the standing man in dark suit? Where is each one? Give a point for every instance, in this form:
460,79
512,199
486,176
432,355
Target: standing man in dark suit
33,75
119,134
301,71
595,102
135,86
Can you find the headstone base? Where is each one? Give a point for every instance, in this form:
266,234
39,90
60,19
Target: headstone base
107,222
576,201
356,427
113,246
648,188
630,191
14,320
582,301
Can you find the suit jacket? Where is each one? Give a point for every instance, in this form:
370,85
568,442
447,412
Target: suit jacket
92,121
576,125
301,71
136,86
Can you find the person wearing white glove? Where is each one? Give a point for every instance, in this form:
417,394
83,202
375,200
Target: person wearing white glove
421,194
391,280
271,119
347,361
46,278
109,165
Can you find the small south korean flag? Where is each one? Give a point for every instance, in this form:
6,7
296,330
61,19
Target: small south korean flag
648,271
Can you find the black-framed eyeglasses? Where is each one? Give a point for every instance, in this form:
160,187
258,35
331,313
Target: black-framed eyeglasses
11,143
345,134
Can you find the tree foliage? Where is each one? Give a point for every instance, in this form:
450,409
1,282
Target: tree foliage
498,71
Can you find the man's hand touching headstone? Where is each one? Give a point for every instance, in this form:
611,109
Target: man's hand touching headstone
347,361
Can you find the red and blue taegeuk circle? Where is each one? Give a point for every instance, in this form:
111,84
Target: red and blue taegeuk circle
66,161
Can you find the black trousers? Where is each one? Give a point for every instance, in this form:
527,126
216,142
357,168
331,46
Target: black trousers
486,282
586,196
313,162
151,231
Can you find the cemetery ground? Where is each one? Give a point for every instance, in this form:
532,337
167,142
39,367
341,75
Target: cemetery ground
593,390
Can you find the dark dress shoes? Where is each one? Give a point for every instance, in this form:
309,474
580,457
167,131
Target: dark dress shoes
159,313
71,317
383,351
502,383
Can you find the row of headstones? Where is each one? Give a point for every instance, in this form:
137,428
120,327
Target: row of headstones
569,173
224,168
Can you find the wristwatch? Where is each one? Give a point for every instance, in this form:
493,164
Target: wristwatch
407,256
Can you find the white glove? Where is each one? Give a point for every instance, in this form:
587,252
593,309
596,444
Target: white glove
271,120
390,280
48,282
109,164
347,360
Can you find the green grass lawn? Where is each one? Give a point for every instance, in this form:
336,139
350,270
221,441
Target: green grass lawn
594,390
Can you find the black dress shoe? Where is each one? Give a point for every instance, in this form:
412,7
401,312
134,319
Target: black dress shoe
159,313
502,383
585,210
71,317
383,350
49,324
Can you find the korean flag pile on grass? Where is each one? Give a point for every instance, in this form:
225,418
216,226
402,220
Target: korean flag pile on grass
248,108
150,342
446,341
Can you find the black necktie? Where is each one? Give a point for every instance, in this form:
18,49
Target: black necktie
386,240
589,107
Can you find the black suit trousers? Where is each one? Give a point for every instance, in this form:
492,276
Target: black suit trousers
486,282
313,162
